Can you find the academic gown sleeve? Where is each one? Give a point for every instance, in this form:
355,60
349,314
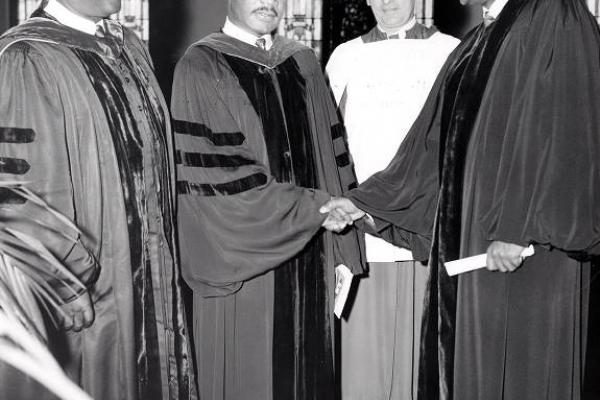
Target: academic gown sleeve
546,121
33,149
235,220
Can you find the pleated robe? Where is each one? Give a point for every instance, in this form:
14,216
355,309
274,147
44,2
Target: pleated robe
84,123
512,124
259,150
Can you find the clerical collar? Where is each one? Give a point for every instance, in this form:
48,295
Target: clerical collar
495,9
70,19
231,29
400,32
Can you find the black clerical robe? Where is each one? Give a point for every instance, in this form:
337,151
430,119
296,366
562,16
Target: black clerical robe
504,149
83,122
259,149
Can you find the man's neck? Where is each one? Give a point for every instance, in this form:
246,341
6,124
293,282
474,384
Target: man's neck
400,29
494,7
69,7
68,17
232,29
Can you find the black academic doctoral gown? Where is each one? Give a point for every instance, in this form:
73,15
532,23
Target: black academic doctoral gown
257,143
513,125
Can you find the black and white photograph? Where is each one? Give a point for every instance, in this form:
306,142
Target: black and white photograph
299,200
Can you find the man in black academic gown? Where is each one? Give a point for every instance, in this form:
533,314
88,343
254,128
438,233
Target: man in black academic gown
503,156
259,149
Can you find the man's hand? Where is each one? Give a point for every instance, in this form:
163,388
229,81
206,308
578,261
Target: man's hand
341,210
504,257
336,221
78,314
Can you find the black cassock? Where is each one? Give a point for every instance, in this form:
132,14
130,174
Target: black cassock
505,149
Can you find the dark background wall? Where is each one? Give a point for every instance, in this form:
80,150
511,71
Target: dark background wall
455,19
8,14
4,13
175,24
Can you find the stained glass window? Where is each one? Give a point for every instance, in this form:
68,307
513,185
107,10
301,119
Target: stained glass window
133,14
424,11
302,21
26,7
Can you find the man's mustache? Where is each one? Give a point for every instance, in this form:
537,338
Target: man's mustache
267,9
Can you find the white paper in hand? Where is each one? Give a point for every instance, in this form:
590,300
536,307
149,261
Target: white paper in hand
343,281
475,262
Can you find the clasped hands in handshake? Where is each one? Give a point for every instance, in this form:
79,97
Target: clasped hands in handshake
341,212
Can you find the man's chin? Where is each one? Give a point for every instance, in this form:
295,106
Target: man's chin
108,12
263,28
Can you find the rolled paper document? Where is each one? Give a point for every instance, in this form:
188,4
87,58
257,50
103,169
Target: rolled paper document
475,262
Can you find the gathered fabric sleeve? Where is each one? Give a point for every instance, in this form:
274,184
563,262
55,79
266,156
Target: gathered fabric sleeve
547,181
33,149
402,198
235,221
